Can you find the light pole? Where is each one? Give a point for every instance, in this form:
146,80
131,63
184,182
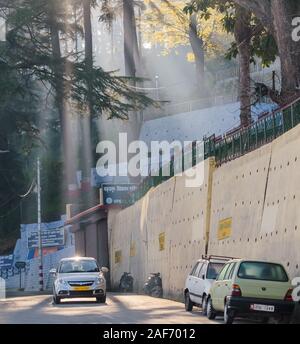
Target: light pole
40,244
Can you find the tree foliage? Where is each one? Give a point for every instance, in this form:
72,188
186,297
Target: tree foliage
164,23
262,42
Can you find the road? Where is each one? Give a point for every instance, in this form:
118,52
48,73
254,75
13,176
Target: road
119,309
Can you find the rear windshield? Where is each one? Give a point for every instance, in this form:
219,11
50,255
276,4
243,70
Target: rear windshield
262,271
213,270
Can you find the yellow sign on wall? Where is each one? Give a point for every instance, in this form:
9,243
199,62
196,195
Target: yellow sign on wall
225,229
118,257
132,249
162,239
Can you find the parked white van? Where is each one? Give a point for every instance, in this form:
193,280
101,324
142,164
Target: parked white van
199,281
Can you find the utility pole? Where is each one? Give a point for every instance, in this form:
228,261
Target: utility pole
41,277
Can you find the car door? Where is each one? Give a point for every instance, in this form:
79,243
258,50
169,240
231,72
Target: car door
202,276
217,289
226,287
190,285
199,283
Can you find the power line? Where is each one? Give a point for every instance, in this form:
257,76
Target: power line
13,189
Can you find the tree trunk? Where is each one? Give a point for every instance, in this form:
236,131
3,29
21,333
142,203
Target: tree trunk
88,40
132,61
87,120
276,16
197,45
289,51
242,32
60,92
131,49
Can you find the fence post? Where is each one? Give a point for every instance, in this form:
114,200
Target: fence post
241,144
194,151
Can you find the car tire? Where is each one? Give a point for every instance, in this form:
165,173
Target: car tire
188,302
56,300
204,305
228,315
101,299
211,313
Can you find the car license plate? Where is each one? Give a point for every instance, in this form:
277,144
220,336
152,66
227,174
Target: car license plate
81,288
263,308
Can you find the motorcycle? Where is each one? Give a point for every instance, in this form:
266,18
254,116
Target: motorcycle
126,283
153,286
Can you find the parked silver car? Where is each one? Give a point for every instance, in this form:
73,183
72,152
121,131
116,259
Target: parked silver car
79,277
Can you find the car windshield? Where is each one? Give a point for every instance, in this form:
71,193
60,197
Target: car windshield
77,266
213,270
262,271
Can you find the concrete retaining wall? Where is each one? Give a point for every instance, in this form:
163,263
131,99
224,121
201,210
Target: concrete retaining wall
164,232
259,193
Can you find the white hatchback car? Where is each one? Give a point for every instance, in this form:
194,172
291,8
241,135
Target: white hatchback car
79,277
199,281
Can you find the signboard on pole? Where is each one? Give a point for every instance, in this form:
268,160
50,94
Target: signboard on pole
50,238
119,194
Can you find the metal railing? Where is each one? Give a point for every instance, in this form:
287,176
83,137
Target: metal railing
243,140
233,144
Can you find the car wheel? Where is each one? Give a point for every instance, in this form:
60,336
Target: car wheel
228,315
204,305
56,300
211,313
101,299
188,303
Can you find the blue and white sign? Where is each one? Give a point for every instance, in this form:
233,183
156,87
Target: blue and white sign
50,238
119,194
6,262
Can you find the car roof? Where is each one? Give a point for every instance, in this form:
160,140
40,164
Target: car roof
76,258
241,260
212,260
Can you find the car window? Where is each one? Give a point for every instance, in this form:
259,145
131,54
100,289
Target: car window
223,272
78,266
198,269
202,271
229,271
194,269
226,276
262,271
213,270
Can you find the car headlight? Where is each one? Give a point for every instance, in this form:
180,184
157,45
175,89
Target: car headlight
62,283
99,281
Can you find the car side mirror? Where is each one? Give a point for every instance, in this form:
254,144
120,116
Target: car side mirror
104,270
203,277
53,272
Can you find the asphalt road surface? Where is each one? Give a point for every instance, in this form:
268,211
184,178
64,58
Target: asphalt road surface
119,309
